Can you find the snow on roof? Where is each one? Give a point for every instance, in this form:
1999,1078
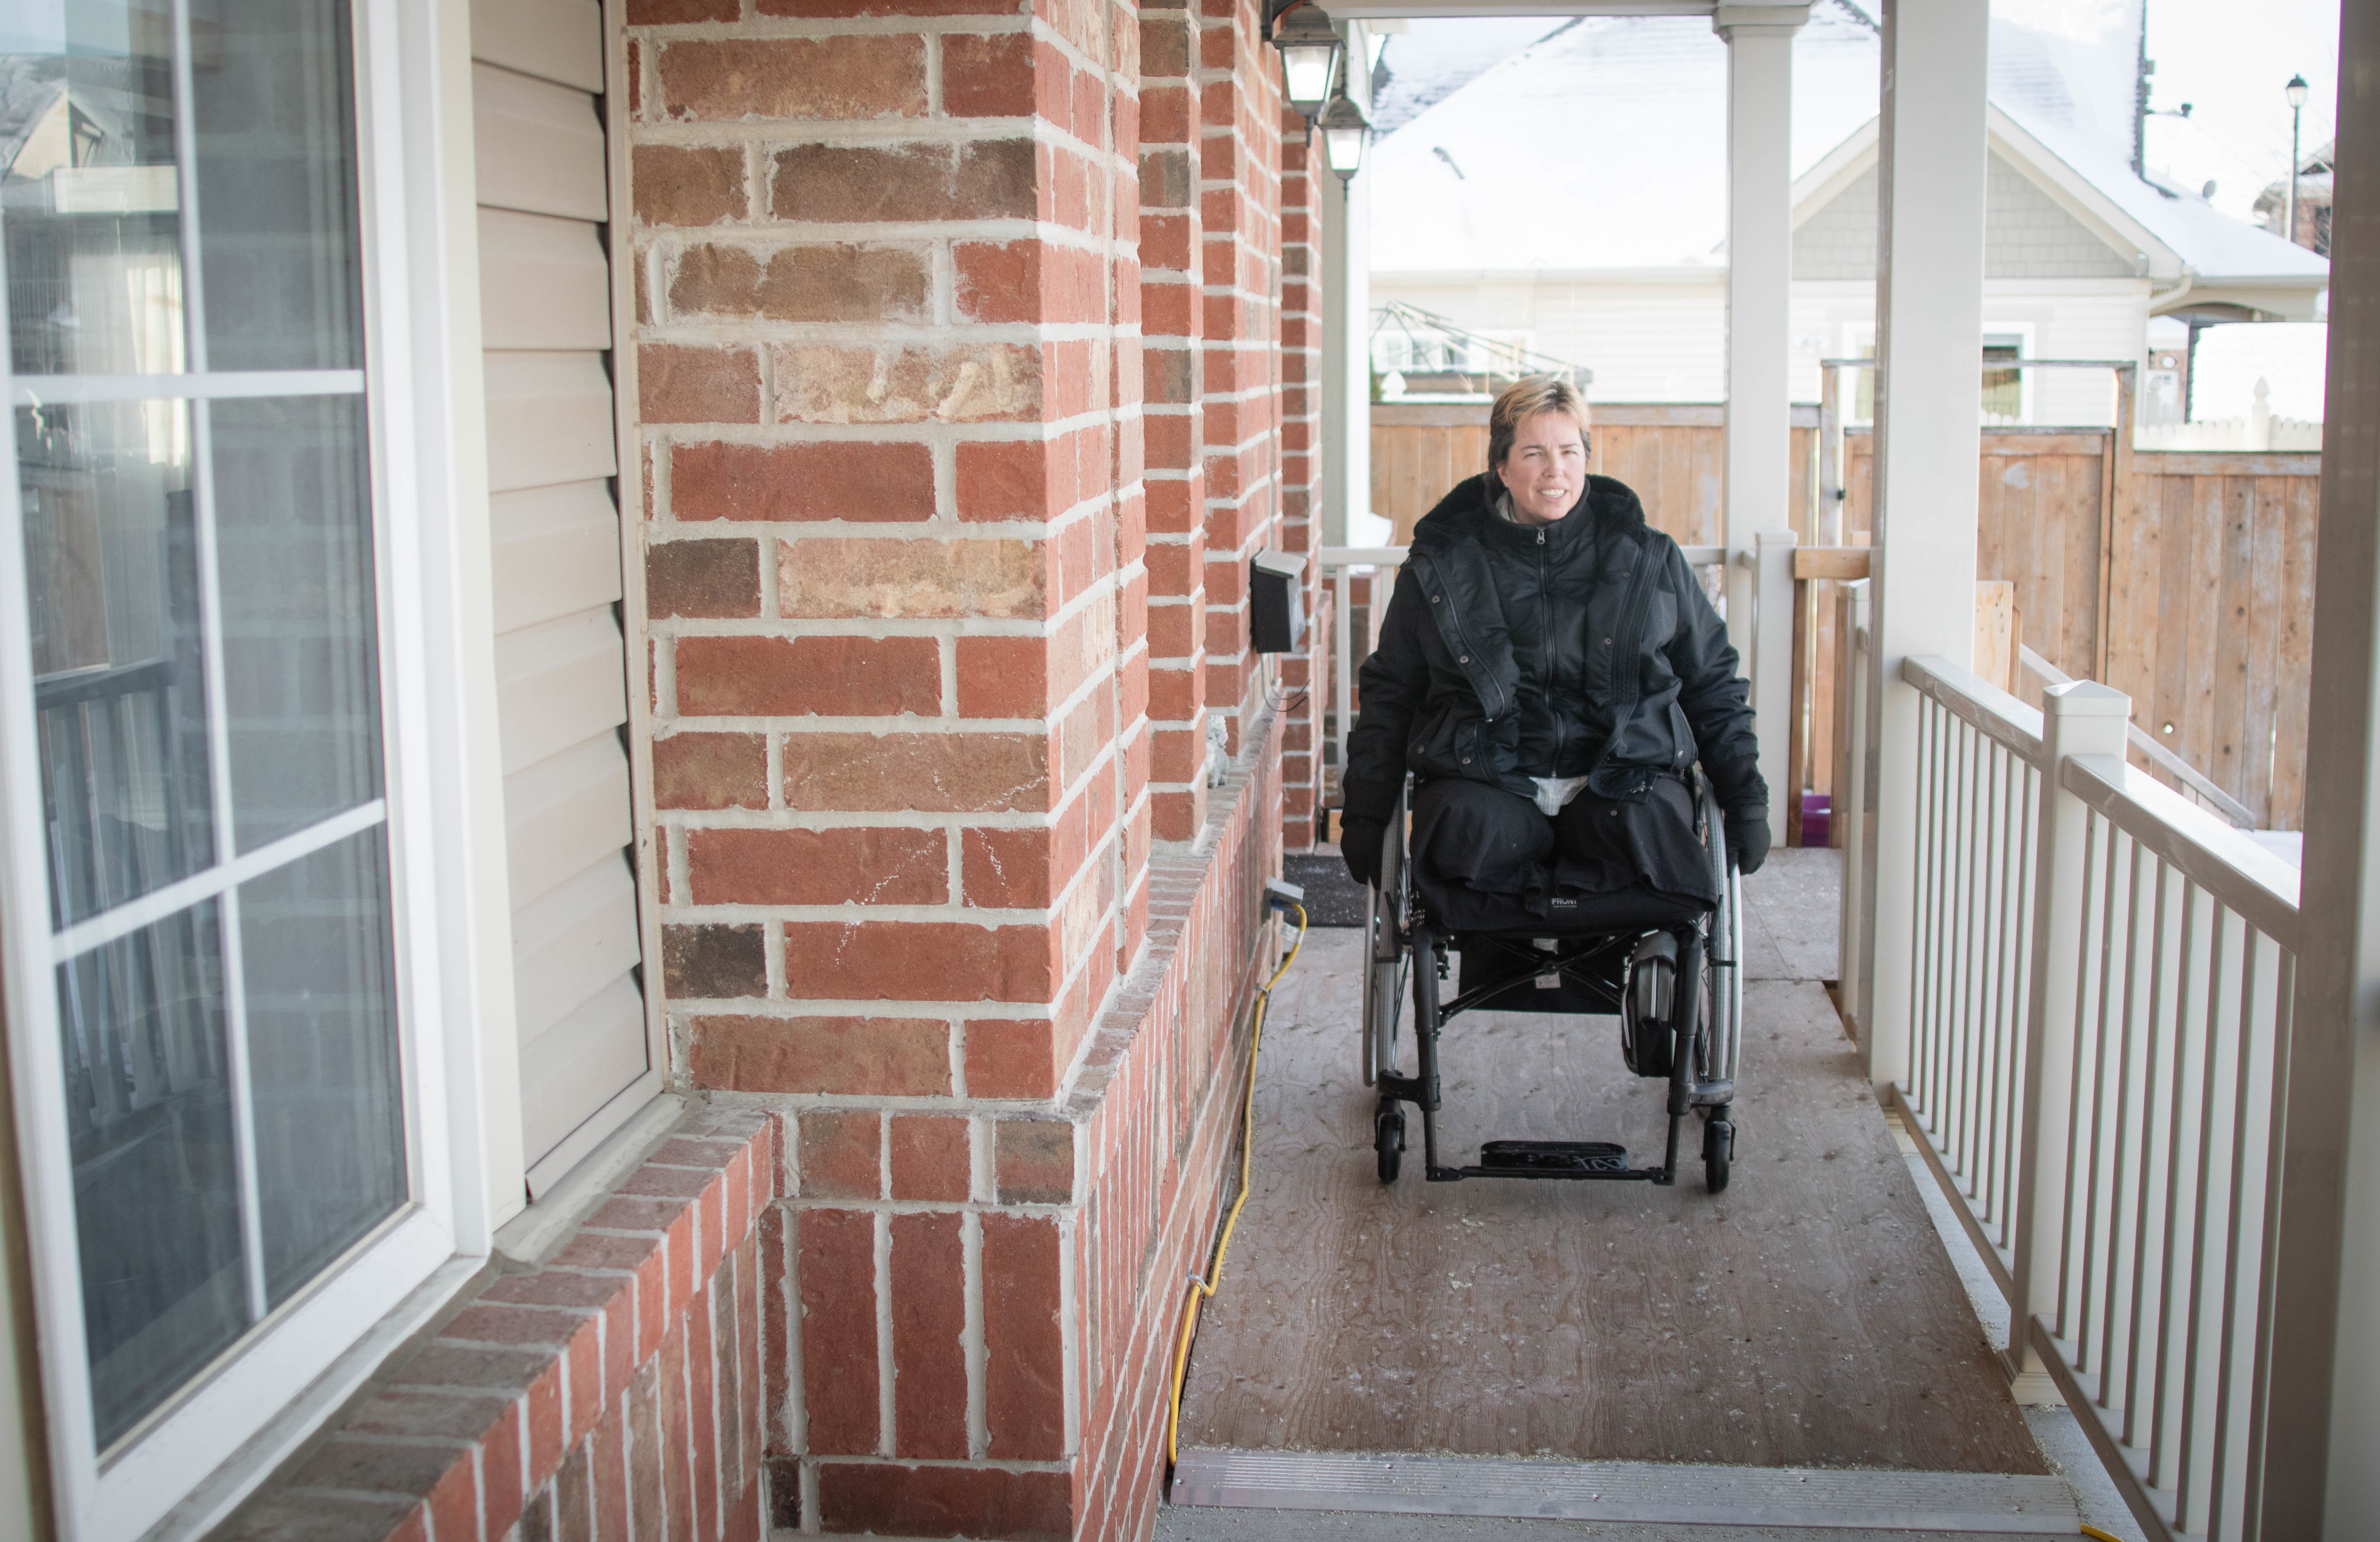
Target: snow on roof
1626,118
2073,96
1435,57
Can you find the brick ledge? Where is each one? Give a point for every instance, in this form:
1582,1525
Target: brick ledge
616,1389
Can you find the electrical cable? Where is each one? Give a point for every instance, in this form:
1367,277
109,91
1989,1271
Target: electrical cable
1203,1289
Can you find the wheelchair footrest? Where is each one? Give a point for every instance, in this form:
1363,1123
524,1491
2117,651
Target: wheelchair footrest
1552,1159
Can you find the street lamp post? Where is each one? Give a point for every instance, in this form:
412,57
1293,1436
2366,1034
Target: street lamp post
2297,89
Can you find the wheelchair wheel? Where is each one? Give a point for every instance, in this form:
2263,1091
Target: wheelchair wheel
1385,956
1718,1149
1388,1142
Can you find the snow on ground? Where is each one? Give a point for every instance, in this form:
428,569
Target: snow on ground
2290,356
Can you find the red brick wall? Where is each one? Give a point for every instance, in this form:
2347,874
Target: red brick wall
1239,191
939,604
615,1394
1172,325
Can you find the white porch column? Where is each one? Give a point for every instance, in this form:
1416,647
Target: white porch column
1346,327
1758,489
2326,1374
1929,325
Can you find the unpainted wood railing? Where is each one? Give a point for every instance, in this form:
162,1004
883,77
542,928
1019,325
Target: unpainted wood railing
2100,1013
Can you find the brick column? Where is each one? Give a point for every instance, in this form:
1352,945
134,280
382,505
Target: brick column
889,398
1240,201
941,880
1172,241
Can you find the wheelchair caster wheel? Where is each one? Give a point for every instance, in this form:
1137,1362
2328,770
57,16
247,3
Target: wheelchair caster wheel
1388,1142
1719,1151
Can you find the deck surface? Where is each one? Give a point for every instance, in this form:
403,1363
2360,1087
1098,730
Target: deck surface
1808,1317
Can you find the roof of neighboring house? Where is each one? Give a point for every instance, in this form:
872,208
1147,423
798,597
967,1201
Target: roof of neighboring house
1641,101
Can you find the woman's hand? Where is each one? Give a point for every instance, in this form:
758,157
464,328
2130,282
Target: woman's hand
1747,838
1359,846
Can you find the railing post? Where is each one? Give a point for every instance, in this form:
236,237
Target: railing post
1343,665
2079,718
1772,668
1853,803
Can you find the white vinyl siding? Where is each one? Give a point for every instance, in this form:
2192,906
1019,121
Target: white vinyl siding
561,659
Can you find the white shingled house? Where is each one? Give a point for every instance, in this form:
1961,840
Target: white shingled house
1584,248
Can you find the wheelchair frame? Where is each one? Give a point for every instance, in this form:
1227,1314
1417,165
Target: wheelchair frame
1708,993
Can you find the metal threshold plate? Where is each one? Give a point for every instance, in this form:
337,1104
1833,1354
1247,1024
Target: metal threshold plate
1645,1491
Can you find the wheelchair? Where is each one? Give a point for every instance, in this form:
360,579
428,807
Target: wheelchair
1668,972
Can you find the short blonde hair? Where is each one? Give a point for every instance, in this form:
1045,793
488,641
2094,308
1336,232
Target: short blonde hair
1523,400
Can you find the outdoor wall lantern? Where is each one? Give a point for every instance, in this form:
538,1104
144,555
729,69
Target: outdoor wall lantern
1345,130
1309,54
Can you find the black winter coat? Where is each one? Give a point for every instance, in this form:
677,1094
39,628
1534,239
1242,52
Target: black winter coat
1584,647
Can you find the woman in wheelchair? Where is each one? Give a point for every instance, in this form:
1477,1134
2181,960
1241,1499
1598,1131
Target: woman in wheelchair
1549,673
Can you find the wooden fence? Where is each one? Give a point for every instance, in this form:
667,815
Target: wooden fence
2184,580
1673,455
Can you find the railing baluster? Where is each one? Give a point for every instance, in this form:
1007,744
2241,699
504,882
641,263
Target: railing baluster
2161,955
2117,1264
2260,1381
1989,1015
2187,996
2089,961
1963,979
2222,965
1926,1026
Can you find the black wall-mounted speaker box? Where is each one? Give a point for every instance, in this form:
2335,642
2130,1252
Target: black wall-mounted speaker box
1276,621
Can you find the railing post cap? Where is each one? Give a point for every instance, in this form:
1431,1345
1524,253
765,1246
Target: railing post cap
2086,698
1777,537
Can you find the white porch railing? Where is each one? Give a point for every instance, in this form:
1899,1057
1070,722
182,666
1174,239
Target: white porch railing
2099,1019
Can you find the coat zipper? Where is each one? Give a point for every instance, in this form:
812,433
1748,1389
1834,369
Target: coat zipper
1553,653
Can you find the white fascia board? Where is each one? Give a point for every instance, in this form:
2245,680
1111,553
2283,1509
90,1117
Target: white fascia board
2078,195
1836,170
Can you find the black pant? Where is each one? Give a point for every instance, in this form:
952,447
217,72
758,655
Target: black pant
1486,859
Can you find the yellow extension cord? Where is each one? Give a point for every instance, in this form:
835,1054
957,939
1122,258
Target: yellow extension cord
1203,1289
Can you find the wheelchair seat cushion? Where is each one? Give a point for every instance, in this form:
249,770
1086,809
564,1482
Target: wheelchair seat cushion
1486,859
1637,908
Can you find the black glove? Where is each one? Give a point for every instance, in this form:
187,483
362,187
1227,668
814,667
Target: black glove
1359,843
1747,838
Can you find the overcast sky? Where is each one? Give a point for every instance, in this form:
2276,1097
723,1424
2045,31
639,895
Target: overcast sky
2231,63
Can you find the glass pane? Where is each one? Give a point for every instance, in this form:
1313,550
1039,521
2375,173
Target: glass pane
119,677
276,185
93,200
148,1115
293,521
322,1055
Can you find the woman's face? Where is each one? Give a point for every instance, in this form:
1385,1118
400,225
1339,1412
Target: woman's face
1545,469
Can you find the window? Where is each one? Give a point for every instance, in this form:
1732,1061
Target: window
204,912
2003,389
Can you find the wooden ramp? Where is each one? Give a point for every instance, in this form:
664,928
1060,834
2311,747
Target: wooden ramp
1806,1319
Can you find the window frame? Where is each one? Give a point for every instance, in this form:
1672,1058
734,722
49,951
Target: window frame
448,954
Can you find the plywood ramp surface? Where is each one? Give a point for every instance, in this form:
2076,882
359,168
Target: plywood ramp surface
1808,1317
